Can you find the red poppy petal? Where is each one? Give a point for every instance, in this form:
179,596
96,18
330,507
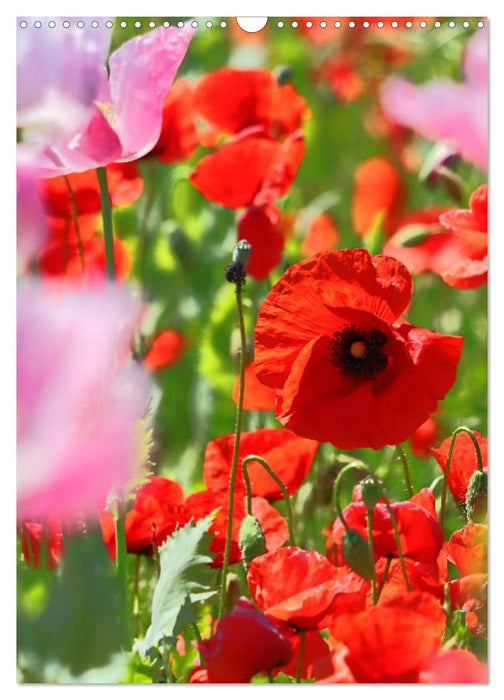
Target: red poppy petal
179,137
166,350
378,188
257,396
467,549
322,235
288,455
455,666
273,524
260,227
282,170
233,175
467,274
463,463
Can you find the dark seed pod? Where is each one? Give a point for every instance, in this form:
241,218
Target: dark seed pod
477,498
357,555
251,540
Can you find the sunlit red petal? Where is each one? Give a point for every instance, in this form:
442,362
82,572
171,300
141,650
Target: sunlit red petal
378,189
261,227
166,350
257,396
463,462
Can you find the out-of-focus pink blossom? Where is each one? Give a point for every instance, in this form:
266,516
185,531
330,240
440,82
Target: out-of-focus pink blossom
58,75
446,110
30,219
79,398
126,119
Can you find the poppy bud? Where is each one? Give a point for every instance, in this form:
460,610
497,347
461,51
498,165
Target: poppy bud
283,74
251,541
357,555
476,498
370,492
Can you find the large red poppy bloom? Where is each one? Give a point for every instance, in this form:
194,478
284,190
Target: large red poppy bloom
393,641
463,462
420,534
245,642
249,169
301,587
347,369
258,99
288,455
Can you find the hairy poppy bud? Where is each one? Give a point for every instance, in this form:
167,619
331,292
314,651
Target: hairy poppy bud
251,541
477,497
370,492
357,555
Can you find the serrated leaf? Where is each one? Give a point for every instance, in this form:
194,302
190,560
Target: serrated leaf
183,582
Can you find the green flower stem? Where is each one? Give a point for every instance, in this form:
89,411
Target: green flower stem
457,431
234,463
136,597
337,486
122,554
396,532
75,218
197,634
371,550
385,575
108,233
405,466
300,658
287,498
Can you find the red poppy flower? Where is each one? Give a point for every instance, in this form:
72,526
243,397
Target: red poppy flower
346,368
420,534
262,228
157,510
258,99
424,437
245,643
429,577
377,189
249,169
468,548
469,593
257,396
124,184
393,641
42,544
471,227
166,350
289,456
344,80
463,462
203,503
455,666
179,137
322,235
299,587
316,654
334,669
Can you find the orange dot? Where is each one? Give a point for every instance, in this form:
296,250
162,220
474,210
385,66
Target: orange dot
358,349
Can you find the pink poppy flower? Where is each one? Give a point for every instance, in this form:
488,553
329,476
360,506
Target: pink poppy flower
58,75
446,110
79,398
127,115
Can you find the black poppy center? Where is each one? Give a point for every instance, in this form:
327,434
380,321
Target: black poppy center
358,353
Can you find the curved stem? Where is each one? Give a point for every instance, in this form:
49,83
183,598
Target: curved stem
108,232
457,431
385,576
300,657
234,463
405,466
287,498
396,532
336,489
371,550
76,224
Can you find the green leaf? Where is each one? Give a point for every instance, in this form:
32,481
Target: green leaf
83,624
183,582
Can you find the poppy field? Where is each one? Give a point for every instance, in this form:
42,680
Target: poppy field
252,350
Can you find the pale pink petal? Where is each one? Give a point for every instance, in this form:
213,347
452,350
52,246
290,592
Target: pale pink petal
57,75
79,397
442,110
31,221
141,74
476,59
